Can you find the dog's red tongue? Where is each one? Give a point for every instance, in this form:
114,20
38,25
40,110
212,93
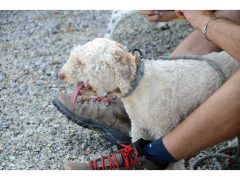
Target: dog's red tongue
77,91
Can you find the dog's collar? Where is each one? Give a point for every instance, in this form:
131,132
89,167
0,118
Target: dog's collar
138,76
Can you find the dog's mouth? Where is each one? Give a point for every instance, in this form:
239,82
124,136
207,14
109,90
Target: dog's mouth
79,89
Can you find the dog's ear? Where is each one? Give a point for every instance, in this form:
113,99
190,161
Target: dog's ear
124,69
76,58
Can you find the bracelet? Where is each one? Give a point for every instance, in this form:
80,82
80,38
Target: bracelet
206,26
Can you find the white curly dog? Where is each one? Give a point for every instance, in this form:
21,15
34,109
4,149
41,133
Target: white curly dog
157,94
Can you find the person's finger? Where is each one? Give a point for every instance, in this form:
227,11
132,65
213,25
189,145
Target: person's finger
154,18
161,12
156,12
180,14
167,16
146,12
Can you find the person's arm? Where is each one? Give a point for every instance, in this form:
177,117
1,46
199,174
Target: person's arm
222,32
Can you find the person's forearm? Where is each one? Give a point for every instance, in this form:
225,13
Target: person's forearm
224,34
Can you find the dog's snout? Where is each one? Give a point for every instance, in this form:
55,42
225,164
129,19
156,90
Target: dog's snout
61,75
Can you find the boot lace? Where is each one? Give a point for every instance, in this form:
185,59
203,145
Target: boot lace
129,155
104,100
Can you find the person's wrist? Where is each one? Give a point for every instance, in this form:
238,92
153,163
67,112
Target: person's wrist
209,23
201,22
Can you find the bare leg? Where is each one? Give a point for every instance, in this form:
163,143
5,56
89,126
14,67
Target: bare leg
216,120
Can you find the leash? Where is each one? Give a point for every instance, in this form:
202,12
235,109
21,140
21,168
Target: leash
140,71
214,65
225,159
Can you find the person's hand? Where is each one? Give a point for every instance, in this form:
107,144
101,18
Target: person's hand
158,16
198,19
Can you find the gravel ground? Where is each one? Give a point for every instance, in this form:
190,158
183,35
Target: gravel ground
34,45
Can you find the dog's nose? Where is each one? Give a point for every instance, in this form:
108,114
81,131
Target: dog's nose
61,76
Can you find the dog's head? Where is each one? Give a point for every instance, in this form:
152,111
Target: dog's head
100,66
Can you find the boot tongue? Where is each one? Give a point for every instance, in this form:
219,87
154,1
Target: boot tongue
76,91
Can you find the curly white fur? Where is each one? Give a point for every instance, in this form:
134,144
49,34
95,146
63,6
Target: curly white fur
167,93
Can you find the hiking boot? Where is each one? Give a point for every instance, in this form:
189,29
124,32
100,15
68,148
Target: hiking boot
105,113
130,157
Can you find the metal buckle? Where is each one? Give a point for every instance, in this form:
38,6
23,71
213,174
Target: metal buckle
137,52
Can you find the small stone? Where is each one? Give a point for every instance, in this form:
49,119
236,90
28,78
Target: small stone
84,146
53,133
23,88
39,62
2,76
12,166
167,46
12,158
56,29
71,27
13,85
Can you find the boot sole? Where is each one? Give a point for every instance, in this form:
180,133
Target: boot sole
108,132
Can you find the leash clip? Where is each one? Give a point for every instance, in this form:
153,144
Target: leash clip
137,52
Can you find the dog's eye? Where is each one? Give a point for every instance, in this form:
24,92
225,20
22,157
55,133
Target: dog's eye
78,61
80,64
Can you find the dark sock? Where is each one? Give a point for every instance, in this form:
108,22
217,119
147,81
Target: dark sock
157,152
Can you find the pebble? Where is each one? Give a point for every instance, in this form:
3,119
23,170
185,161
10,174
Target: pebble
23,88
84,146
2,76
12,158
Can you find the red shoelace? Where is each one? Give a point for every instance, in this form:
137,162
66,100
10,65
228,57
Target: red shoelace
105,100
129,155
